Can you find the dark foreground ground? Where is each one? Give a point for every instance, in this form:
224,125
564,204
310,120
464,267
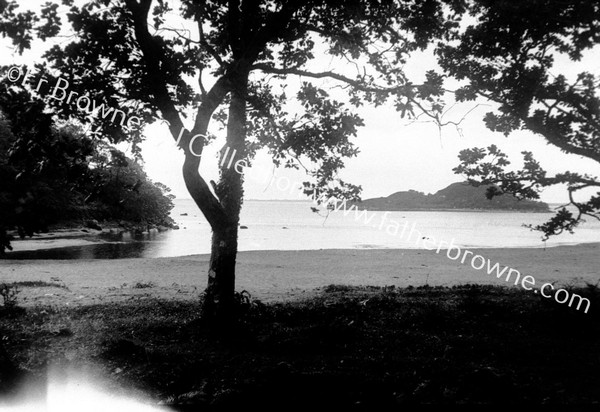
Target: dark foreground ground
349,348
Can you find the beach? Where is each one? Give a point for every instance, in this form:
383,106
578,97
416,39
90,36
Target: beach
285,275
130,329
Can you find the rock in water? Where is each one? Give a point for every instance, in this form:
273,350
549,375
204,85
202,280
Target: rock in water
93,224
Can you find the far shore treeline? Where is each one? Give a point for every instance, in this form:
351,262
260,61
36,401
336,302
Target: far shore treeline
456,196
52,173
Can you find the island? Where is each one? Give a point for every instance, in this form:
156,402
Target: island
457,196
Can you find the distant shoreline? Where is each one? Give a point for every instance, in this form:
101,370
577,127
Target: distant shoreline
309,202
458,210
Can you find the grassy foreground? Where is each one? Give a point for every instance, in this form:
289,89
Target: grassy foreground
352,348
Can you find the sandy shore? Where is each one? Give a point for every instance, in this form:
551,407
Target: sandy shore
281,275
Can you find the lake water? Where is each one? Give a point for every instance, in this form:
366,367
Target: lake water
285,225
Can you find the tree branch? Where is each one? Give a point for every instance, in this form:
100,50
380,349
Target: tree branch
207,45
332,75
153,56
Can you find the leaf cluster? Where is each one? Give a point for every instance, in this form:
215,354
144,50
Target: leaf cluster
509,55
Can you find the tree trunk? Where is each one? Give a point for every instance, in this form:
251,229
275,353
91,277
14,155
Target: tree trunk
219,294
219,303
222,211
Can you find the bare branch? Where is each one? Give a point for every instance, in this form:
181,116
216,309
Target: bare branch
357,84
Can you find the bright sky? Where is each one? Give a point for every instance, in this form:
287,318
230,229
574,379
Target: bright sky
395,154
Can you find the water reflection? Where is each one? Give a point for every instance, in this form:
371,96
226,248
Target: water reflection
110,246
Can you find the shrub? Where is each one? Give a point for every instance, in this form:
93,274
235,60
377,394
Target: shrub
9,296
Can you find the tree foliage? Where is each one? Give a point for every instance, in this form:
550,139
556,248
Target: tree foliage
509,55
127,54
52,173
189,63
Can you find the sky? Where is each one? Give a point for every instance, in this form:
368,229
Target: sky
395,154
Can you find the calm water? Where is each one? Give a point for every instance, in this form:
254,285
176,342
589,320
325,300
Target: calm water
280,225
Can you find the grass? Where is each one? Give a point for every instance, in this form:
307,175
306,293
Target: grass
9,293
349,348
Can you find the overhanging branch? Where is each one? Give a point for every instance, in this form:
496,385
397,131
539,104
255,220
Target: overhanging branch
357,84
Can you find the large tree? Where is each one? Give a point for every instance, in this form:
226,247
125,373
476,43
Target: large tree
508,55
231,61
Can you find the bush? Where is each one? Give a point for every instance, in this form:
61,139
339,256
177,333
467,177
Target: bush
9,296
54,174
